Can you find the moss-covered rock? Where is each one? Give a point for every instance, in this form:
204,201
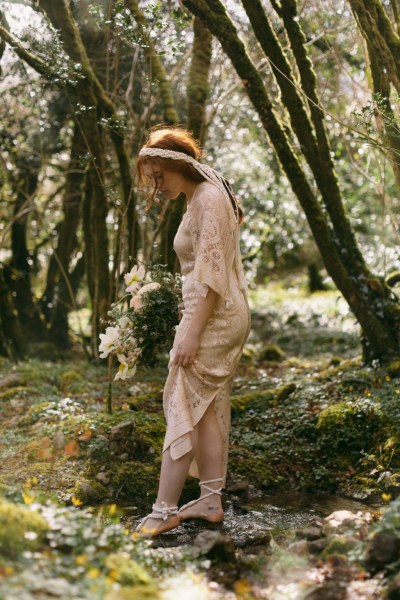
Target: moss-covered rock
348,426
16,391
272,352
35,413
261,399
71,381
339,544
20,529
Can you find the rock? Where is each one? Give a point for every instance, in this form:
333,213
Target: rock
103,477
90,493
123,456
393,590
309,533
317,546
339,544
215,545
382,549
299,548
238,488
345,521
59,440
272,352
121,431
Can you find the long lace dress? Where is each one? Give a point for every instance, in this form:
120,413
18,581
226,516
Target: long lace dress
207,245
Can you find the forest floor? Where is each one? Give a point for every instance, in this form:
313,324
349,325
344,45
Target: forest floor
313,432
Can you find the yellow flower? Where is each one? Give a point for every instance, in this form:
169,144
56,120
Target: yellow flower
113,574
81,559
386,497
8,570
111,509
242,587
93,573
27,498
76,501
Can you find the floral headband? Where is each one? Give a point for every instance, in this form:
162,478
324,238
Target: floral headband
208,172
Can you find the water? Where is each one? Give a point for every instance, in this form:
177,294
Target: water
247,521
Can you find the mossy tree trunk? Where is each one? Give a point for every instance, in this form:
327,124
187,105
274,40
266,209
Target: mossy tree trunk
198,87
91,95
197,94
19,278
56,300
173,215
12,341
369,298
383,46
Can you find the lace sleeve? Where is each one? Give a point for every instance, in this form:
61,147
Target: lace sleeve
213,232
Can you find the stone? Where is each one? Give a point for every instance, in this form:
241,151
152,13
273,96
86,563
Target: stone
393,591
121,431
238,488
103,477
299,548
382,549
309,533
215,546
317,546
345,521
59,440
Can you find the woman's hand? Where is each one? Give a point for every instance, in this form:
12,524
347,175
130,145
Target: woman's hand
187,350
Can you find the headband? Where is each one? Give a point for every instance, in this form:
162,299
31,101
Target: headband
208,172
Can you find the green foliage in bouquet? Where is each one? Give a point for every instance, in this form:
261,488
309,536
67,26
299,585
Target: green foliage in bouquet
138,334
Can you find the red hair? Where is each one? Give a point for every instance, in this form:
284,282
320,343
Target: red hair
179,140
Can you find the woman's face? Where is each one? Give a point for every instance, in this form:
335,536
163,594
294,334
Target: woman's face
169,183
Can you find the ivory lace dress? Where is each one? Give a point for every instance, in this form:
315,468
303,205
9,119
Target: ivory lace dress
207,245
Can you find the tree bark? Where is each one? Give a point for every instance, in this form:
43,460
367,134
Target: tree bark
368,297
12,342
383,46
54,297
198,88
20,265
157,70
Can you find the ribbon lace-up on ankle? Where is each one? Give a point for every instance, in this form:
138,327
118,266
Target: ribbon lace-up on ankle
162,513
211,492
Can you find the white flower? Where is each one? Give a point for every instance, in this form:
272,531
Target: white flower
108,341
123,322
124,370
133,278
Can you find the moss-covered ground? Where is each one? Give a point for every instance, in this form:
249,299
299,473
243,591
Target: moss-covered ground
306,415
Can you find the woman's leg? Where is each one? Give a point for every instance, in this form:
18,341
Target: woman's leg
172,478
209,457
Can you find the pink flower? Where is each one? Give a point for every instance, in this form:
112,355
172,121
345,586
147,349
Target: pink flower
136,302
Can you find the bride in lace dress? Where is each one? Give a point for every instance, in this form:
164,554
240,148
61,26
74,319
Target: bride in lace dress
210,337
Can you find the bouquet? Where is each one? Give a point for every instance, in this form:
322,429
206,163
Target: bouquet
137,334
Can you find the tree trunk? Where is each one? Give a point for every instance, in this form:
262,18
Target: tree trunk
197,88
20,279
12,342
92,96
368,297
60,260
383,46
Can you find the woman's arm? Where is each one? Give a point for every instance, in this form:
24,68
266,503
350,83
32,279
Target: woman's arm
188,347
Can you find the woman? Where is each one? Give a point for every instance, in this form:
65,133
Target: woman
210,337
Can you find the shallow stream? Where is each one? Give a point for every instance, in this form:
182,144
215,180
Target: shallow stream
249,521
